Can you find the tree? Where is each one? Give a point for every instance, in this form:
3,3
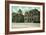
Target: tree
13,16
36,16
20,11
26,12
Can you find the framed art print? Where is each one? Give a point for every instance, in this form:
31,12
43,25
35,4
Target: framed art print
24,17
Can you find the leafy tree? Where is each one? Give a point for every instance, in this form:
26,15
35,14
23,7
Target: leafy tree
26,12
13,16
37,14
20,11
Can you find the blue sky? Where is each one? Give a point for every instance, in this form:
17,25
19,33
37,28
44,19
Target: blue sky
23,8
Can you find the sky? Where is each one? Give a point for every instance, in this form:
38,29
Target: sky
23,8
